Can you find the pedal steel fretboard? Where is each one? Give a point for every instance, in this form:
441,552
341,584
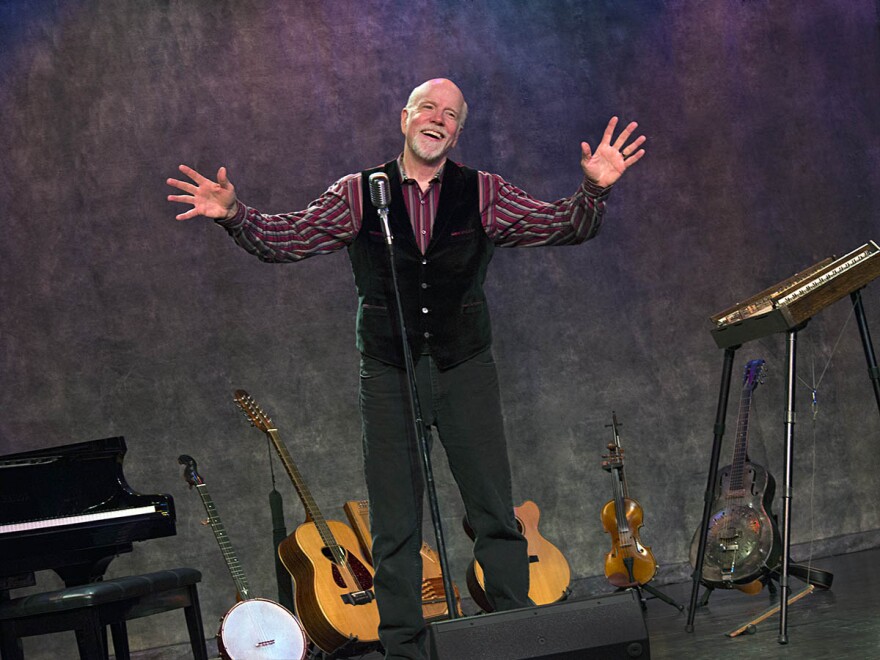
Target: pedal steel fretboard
796,300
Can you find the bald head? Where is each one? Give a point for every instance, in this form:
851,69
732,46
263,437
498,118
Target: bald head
439,84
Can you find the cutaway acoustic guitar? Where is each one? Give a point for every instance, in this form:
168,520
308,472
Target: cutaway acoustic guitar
549,573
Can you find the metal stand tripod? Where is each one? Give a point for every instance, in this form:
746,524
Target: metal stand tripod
721,412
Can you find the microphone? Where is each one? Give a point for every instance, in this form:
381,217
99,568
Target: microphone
380,196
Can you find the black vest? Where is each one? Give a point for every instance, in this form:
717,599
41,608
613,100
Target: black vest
441,291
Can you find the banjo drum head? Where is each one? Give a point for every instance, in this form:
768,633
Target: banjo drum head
259,629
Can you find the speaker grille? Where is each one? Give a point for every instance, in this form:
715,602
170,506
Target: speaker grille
612,626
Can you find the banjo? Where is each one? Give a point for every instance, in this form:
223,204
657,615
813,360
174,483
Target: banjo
254,628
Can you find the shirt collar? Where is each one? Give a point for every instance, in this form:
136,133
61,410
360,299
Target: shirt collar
438,175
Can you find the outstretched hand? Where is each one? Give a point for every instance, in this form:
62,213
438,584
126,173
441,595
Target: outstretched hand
211,199
610,160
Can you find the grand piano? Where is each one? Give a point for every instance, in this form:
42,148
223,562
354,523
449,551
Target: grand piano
70,509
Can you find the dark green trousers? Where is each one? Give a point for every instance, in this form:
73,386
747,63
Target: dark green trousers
464,406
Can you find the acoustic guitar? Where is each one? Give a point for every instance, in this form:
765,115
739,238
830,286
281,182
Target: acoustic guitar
433,592
334,582
743,542
253,627
549,573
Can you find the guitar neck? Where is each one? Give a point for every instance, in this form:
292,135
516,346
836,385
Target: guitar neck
238,576
313,514
741,448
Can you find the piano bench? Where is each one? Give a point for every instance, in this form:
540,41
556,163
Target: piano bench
89,608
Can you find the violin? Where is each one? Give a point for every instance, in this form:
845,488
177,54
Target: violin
629,563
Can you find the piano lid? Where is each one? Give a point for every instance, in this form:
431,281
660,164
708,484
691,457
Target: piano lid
71,506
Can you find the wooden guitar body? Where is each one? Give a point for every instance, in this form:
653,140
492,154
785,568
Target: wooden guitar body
743,541
549,573
329,593
433,590
334,583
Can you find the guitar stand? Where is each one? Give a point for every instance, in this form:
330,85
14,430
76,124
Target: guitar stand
721,413
769,580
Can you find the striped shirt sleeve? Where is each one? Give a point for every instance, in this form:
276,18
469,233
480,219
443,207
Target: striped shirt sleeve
513,218
328,224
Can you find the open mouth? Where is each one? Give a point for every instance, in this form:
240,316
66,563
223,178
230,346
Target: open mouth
434,135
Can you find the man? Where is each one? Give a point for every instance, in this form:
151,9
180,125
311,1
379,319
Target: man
447,220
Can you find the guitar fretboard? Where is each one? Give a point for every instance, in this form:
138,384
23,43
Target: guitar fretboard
737,469
313,513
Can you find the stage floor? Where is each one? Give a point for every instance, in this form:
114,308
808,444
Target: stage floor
843,622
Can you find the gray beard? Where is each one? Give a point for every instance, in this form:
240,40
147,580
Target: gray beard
426,156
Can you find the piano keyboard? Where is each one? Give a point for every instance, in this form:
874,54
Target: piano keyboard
76,520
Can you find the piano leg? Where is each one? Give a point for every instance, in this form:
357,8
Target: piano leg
91,637
10,647
120,640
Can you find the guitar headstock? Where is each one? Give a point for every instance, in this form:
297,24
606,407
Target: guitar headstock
189,470
754,374
252,411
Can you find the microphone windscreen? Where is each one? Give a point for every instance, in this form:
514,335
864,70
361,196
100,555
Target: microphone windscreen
380,190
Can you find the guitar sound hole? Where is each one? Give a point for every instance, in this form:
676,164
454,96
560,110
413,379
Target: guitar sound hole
360,572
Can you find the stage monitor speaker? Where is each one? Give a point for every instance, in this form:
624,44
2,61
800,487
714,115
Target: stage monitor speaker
609,627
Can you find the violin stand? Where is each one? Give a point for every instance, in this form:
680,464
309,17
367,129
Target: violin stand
720,415
657,594
628,562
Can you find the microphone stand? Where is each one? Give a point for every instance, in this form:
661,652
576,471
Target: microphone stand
418,424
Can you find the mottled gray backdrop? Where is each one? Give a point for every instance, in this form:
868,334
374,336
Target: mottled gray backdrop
763,158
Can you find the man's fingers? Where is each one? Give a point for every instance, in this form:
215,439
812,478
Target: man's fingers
182,185
609,130
630,160
192,174
624,134
586,152
186,199
632,146
192,213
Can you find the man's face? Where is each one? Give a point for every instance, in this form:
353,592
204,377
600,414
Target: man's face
432,125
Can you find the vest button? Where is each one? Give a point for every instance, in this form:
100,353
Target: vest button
424,310
427,335
424,285
424,262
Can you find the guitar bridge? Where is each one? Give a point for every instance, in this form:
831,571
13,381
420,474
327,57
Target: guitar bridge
358,597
